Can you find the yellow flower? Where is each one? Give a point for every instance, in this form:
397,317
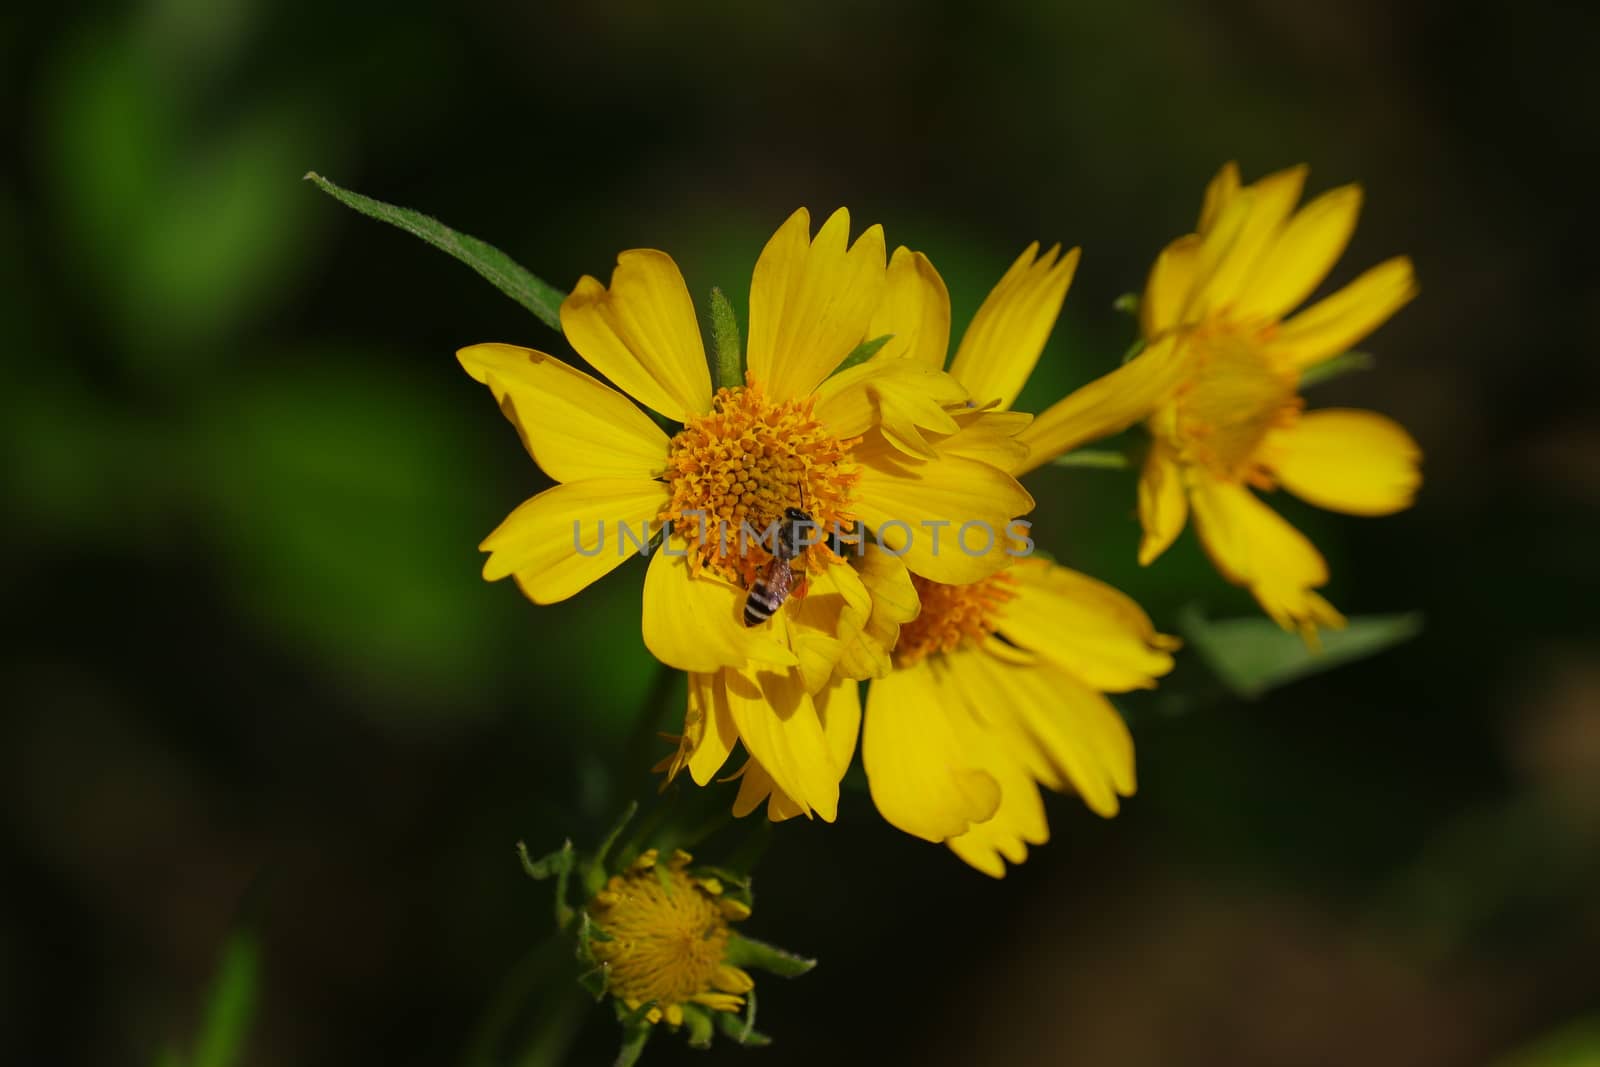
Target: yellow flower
661,933
989,688
1236,422
847,447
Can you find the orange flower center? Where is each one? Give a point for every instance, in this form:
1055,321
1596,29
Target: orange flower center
736,470
1236,395
952,614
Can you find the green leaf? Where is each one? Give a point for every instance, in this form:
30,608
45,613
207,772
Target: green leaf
1127,303
863,352
1095,459
747,952
1251,656
503,272
1335,367
232,1004
725,337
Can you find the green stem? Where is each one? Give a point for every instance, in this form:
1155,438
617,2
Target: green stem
1097,460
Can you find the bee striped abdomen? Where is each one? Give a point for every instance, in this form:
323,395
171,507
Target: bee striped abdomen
768,593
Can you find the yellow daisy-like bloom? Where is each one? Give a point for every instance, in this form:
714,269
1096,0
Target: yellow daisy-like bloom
987,689
1236,422
846,447
662,936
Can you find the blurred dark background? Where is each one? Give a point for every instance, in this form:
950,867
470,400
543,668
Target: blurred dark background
252,676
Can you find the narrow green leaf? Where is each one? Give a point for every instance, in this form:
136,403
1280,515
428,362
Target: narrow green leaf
1133,350
1094,459
1251,656
232,1004
1127,303
863,352
748,952
1335,367
503,272
729,354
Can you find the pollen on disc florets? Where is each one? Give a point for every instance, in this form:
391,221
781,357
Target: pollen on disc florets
741,465
1237,393
662,937
952,614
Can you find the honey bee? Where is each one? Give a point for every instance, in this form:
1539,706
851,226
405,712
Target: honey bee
772,588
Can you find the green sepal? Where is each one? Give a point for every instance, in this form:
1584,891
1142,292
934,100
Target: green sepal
697,1021
1336,367
1127,303
1133,350
594,872
748,952
557,864
727,353
592,979
742,1029
635,1034
1251,656
501,271
863,352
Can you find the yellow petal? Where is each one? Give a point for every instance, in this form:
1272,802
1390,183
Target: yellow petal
811,302
894,602
641,333
1357,462
839,708
560,541
696,623
821,624
915,753
1107,405
902,396
1018,822
989,437
1096,633
718,732
1219,194
778,724
1008,334
1163,504
1254,547
1269,201
1306,250
918,510
1216,243
1066,734
915,310
573,426
756,785
1166,292
1335,323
